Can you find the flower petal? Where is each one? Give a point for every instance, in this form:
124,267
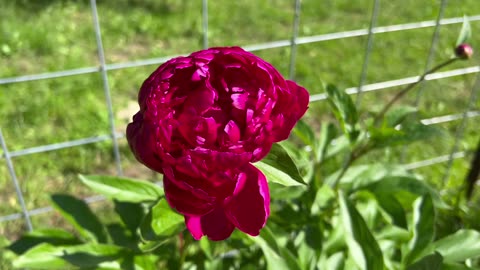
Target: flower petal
215,225
141,138
291,106
249,206
185,198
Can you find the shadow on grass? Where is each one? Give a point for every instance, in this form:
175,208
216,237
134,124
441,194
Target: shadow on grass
160,7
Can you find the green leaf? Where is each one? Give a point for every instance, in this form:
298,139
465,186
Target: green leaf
285,192
275,260
395,185
457,266
336,261
91,255
423,227
458,247
82,218
52,236
276,176
305,133
335,241
409,132
429,262
305,244
395,234
327,134
61,257
323,197
280,162
131,214
206,247
42,256
362,246
123,189
302,158
393,208
145,262
398,114
344,110
465,33
161,223
361,176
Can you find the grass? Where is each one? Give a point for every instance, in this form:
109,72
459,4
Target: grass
46,36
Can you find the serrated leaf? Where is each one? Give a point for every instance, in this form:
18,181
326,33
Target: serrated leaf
161,222
465,32
362,246
423,227
79,214
430,262
344,110
52,236
123,189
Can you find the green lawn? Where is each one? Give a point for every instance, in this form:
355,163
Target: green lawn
45,36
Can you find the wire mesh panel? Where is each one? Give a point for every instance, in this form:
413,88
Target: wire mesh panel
369,48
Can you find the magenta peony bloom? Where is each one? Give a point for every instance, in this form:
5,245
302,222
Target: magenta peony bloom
203,119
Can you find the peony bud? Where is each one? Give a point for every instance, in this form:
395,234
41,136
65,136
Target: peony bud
464,51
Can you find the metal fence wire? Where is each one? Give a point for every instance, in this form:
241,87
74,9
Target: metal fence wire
293,42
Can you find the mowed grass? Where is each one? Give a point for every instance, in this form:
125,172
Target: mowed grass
48,36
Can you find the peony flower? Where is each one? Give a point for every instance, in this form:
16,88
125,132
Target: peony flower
203,119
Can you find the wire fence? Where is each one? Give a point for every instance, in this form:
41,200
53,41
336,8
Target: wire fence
293,42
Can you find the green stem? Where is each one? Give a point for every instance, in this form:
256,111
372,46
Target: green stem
354,155
409,87
183,246
360,150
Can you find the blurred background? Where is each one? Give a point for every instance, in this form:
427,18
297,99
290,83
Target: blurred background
60,106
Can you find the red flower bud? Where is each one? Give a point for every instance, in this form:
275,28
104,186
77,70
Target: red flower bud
464,51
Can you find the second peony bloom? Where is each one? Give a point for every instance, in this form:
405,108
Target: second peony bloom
203,120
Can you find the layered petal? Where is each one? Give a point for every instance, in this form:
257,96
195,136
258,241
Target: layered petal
142,141
291,106
185,198
203,119
215,225
249,206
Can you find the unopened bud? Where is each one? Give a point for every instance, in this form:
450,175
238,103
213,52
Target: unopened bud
464,51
